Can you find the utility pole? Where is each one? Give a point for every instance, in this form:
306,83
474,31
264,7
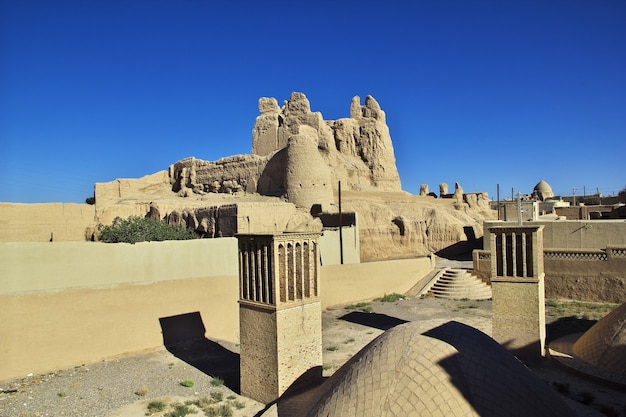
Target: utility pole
574,194
498,193
340,227
519,209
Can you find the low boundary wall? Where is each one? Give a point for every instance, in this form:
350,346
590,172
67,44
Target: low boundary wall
597,275
342,284
573,234
68,303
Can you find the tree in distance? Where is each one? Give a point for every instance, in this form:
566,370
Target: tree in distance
142,229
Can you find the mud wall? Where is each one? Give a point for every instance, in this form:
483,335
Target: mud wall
70,303
45,222
575,274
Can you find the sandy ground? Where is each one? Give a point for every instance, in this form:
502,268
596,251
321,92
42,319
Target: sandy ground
124,387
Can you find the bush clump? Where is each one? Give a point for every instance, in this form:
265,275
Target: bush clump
142,229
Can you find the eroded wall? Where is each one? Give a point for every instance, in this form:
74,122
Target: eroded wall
45,222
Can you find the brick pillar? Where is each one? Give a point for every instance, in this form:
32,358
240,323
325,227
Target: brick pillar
280,315
517,284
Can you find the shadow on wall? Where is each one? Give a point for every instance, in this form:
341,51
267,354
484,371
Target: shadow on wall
183,336
462,251
272,179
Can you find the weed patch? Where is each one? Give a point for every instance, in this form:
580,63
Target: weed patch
187,383
180,410
217,396
390,298
578,309
239,405
155,407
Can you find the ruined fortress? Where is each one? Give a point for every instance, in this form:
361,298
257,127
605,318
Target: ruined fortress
299,155
293,174
289,182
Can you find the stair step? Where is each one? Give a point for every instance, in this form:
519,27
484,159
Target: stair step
458,284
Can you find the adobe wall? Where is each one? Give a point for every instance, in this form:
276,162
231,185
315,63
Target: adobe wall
264,217
590,275
46,331
342,284
110,192
28,267
330,247
43,222
575,234
68,303
575,274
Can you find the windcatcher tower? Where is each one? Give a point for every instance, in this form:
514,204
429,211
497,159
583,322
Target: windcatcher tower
518,288
279,313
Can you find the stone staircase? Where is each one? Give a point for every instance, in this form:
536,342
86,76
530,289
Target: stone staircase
457,284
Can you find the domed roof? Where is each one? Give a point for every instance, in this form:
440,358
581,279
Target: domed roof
604,345
453,369
543,187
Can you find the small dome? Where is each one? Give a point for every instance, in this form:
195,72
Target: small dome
453,369
543,187
543,191
604,345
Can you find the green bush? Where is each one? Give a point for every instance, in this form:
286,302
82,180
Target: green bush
187,383
142,229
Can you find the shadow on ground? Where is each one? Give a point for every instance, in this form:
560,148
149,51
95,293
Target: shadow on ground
376,320
183,337
566,326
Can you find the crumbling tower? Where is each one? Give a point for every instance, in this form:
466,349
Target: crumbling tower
517,284
280,316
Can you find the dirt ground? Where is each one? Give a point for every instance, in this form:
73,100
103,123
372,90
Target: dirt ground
114,388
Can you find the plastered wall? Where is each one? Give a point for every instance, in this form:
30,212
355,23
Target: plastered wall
330,246
68,303
35,266
575,234
357,282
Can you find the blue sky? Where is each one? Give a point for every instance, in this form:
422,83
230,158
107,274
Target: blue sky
476,92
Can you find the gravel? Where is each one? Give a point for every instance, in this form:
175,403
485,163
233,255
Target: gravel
98,389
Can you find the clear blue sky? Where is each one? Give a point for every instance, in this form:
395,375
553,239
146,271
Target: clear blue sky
479,92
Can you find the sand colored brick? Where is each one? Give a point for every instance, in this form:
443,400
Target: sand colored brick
280,315
517,284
